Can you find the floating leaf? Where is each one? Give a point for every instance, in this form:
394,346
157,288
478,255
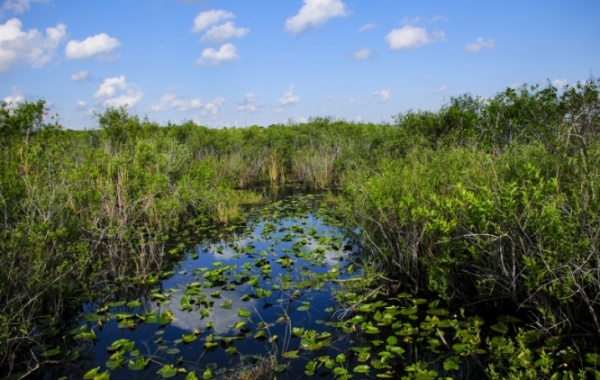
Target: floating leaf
189,338
168,370
138,364
291,354
96,375
207,374
114,363
363,368
239,325
134,304
243,312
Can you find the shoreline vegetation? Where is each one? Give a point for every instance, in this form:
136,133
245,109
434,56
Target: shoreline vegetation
487,203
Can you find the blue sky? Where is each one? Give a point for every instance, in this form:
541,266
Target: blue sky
235,63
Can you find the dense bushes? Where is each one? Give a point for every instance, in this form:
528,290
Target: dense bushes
501,206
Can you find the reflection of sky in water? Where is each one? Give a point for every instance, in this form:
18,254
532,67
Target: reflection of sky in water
233,250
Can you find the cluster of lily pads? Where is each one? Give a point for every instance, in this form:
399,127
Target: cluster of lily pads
289,290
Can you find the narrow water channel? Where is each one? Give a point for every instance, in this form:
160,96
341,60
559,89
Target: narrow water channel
257,298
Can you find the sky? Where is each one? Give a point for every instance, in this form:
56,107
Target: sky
237,63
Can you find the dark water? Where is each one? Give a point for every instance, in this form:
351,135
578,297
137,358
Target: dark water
231,304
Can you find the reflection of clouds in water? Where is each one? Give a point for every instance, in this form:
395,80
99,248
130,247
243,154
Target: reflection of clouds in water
331,256
232,248
222,319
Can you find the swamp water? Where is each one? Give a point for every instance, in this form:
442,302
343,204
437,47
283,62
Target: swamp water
282,297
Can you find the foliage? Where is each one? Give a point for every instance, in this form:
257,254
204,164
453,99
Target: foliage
486,201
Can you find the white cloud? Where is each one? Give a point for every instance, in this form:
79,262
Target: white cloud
441,89
172,101
205,19
357,102
250,103
19,6
116,92
366,27
479,44
408,20
288,98
31,47
15,97
224,32
211,57
212,108
314,13
360,54
79,76
560,83
98,46
81,105
409,37
383,95
438,19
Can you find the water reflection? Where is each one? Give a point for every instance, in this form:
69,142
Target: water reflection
234,296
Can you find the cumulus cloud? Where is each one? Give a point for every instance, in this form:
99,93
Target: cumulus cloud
409,37
383,95
314,13
289,98
212,107
250,103
560,83
31,47
223,32
80,76
19,6
116,92
15,97
360,54
211,57
98,46
205,19
172,101
479,44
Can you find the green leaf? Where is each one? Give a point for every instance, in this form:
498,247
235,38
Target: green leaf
500,328
189,338
168,370
134,304
52,352
243,312
593,359
96,375
450,364
239,325
363,368
138,364
208,374
291,354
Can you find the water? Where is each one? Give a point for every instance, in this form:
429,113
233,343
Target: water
248,299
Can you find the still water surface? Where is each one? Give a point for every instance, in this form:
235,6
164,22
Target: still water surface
236,300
